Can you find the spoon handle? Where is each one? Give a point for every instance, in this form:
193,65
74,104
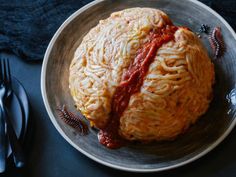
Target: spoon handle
2,143
17,151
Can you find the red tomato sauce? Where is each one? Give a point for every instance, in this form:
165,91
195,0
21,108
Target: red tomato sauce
131,84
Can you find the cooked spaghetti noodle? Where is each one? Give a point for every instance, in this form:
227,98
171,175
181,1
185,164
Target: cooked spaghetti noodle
174,91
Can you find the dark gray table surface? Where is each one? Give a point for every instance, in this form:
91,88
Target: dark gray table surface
49,155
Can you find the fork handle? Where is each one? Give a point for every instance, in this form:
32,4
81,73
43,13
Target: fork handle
18,155
3,153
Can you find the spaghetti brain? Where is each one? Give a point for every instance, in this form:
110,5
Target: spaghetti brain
136,76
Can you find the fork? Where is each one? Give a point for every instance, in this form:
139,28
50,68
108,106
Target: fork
5,93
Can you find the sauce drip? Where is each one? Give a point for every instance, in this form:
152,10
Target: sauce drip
131,84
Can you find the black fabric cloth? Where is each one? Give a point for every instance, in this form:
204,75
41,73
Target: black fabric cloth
27,26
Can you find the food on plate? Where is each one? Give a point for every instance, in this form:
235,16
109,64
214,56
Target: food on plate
217,42
72,120
137,76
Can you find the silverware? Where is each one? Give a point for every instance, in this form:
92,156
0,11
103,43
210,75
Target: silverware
5,93
3,149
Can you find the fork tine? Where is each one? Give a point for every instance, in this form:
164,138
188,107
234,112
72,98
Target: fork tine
4,71
1,70
8,73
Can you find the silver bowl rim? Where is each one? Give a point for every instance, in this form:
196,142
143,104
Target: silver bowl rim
53,120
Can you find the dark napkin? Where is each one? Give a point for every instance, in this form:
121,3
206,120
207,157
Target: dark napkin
26,26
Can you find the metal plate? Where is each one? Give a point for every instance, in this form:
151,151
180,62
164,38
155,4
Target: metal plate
201,138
